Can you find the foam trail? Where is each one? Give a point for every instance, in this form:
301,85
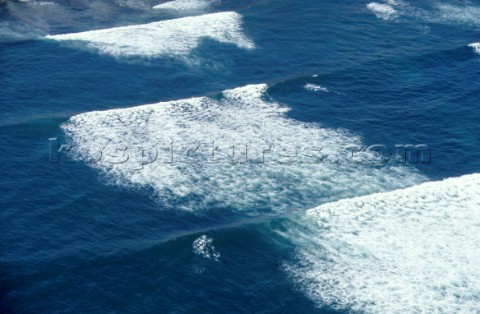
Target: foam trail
475,47
466,14
11,31
185,5
176,37
238,150
414,250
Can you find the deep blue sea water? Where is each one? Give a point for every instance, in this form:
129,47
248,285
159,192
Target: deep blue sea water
83,239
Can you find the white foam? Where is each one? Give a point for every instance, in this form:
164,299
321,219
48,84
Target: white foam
408,251
185,5
466,14
383,11
203,246
316,88
395,2
176,37
475,47
39,3
442,13
207,178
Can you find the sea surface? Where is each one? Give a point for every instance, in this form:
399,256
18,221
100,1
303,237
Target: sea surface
220,156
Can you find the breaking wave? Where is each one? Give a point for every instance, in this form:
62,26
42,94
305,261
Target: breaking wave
238,149
407,251
176,38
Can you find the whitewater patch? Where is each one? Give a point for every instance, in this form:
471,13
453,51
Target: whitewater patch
315,88
175,38
238,149
382,11
203,246
475,47
414,250
185,5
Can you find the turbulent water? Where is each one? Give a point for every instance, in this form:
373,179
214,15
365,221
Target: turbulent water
223,156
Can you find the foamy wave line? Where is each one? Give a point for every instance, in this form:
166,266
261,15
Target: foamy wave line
440,12
408,251
176,37
185,5
244,116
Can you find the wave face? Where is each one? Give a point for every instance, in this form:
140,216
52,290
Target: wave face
237,150
12,31
174,38
33,19
407,251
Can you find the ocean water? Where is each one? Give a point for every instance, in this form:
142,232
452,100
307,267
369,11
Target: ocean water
306,156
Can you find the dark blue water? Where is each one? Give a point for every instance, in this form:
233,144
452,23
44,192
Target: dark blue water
73,242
